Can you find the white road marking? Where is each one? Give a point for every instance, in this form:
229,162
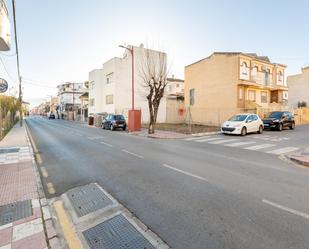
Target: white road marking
260,146
94,138
283,150
184,172
223,141
195,138
133,154
239,144
107,144
290,210
208,139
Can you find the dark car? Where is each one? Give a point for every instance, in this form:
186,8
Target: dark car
114,121
51,116
279,120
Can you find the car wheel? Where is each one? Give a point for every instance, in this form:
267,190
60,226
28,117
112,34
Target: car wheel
103,126
243,131
260,131
124,128
112,127
280,127
292,127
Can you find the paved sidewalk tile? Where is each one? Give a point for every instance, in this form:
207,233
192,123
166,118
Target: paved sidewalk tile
27,229
5,236
36,241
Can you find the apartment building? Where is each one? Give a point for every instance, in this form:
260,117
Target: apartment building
68,97
110,87
229,82
299,88
175,86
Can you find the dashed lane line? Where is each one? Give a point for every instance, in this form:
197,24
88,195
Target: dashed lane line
290,210
50,188
184,172
107,144
133,154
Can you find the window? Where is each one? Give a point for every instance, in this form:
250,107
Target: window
109,78
251,95
244,71
109,99
263,97
241,93
267,77
255,118
177,85
280,78
192,93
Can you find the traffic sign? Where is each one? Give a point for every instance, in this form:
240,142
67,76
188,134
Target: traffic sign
3,85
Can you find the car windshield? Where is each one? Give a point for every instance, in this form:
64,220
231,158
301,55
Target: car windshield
275,115
118,117
238,118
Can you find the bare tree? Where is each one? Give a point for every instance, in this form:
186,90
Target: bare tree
153,72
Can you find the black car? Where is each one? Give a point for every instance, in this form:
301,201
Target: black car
51,116
279,120
113,121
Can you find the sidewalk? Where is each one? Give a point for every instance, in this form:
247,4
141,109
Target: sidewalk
302,159
25,221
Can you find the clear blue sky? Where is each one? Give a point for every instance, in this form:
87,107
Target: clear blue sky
62,40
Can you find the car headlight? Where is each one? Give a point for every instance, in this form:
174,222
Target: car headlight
276,120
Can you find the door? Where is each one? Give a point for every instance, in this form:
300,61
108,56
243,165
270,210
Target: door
250,124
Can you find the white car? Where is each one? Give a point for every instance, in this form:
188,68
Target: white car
242,124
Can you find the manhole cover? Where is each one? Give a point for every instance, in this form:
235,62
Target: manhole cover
9,150
88,199
116,233
15,211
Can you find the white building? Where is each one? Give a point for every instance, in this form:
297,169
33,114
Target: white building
110,87
299,87
175,87
5,28
68,97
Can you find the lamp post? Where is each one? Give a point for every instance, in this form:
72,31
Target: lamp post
134,123
132,53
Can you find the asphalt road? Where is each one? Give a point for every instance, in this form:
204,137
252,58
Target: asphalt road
193,195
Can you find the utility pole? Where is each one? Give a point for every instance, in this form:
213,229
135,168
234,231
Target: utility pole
73,99
18,70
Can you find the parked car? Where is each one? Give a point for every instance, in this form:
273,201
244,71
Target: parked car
279,120
113,122
241,124
51,116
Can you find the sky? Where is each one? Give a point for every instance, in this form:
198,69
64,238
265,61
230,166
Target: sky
63,40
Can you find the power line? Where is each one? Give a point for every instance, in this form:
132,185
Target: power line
7,72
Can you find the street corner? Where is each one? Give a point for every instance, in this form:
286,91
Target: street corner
301,159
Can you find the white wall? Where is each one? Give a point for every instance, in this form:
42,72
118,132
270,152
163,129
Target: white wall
121,87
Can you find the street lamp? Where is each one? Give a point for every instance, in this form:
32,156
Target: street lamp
132,53
134,122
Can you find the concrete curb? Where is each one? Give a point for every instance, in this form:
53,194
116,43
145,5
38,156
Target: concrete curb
51,235
299,160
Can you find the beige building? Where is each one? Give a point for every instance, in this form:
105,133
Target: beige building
225,83
299,87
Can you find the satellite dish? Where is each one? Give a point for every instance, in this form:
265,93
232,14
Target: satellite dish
3,85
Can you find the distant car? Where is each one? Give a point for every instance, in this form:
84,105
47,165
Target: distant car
51,116
279,121
241,124
114,121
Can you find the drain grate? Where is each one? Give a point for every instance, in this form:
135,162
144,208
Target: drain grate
15,211
9,150
116,233
87,199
